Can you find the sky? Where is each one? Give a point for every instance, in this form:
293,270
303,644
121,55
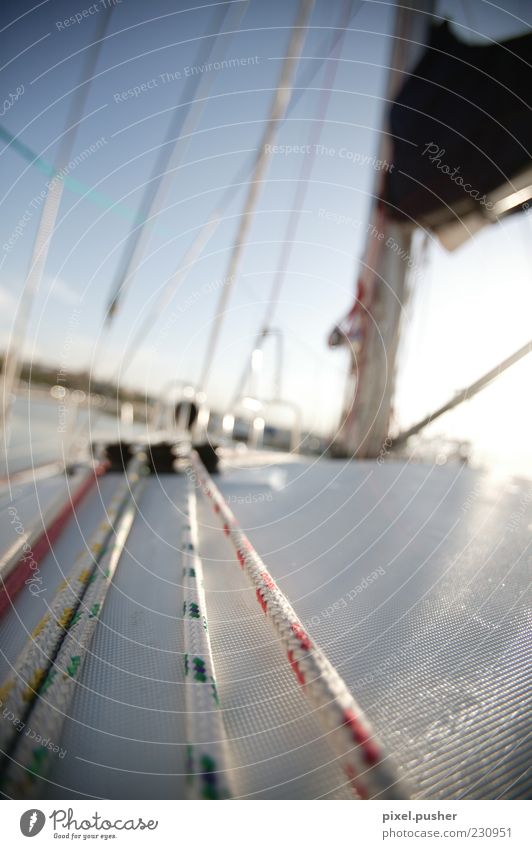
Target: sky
470,308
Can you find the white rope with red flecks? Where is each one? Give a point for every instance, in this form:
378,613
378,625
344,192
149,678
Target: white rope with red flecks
347,730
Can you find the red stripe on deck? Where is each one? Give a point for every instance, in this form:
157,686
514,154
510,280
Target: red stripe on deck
40,548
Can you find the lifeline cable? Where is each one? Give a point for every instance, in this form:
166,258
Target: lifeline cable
346,728
207,773
21,687
32,757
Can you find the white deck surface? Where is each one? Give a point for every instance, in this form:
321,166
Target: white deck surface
412,578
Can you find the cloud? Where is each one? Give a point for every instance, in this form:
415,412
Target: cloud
53,288
7,304
61,291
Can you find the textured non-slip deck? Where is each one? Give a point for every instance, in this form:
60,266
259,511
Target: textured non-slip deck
412,579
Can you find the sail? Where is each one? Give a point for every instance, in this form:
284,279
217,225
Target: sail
461,128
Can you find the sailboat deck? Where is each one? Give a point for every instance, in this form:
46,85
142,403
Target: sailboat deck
411,578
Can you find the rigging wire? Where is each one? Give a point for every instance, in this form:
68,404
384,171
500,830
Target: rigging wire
100,198
185,119
200,241
465,394
278,108
171,152
277,112
302,185
46,226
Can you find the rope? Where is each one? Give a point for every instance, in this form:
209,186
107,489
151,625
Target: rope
205,732
347,729
280,102
30,761
22,686
31,547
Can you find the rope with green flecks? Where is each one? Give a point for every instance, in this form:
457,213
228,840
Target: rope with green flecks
368,768
30,761
20,690
207,775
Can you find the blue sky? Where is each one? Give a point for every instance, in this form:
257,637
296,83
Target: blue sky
471,309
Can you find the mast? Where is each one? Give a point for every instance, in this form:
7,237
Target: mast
383,273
